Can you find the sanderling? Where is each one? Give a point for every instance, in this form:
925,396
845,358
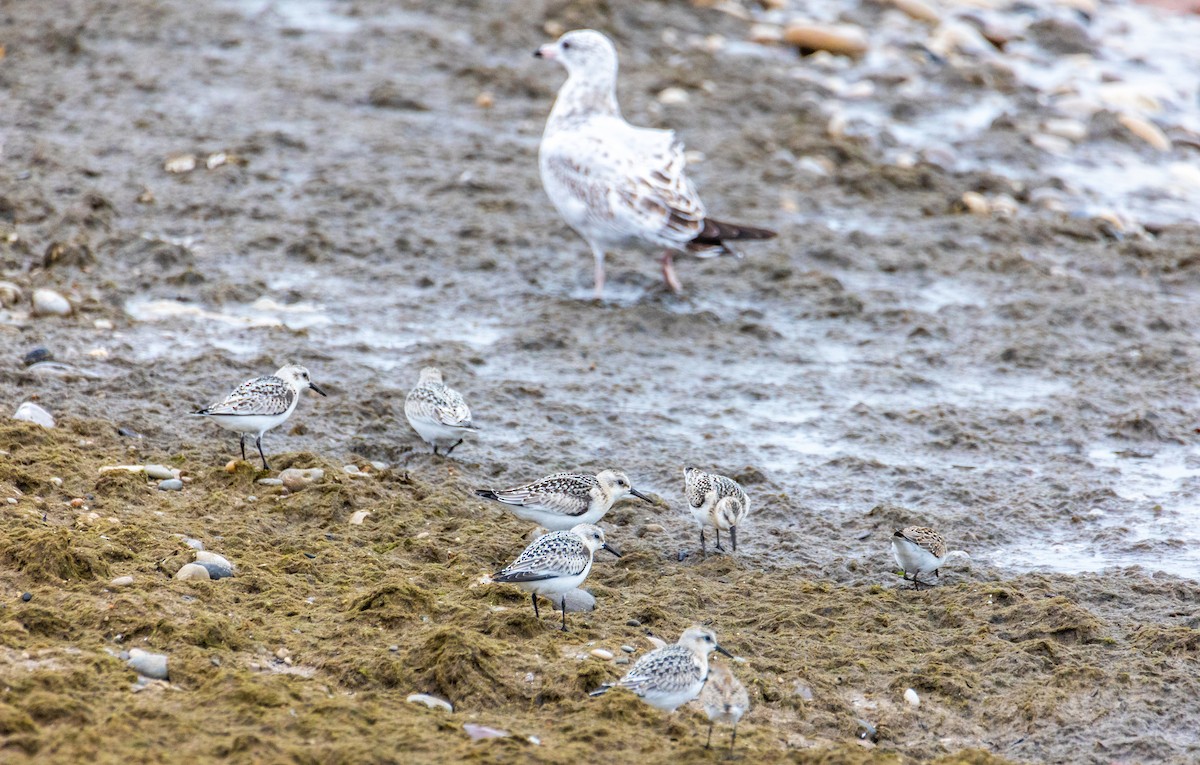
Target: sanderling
257,405
615,184
715,501
557,562
437,412
725,700
919,549
667,678
562,500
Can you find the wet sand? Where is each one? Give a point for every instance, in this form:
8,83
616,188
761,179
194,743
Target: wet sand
1022,383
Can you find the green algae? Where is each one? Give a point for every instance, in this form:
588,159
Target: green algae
366,615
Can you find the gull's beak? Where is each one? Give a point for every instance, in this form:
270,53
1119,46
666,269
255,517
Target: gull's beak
641,496
722,650
610,549
548,52
313,385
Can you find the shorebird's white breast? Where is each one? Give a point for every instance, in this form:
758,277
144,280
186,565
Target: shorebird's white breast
913,557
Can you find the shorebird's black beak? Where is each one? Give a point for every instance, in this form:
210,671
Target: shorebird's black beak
722,650
641,496
537,53
610,549
313,385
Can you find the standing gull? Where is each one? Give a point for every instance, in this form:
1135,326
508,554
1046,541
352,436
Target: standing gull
671,676
563,500
920,550
725,700
555,563
437,412
715,501
615,184
257,405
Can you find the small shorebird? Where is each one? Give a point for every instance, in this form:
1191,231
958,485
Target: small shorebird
555,563
257,405
615,184
725,700
437,412
669,677
562,500
920,550
715,501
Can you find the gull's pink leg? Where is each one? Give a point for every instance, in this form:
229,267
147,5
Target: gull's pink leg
598,271
668,272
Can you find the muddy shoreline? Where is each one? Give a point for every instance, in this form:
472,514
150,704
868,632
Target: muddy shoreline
1023,383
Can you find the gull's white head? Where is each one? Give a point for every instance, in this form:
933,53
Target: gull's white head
702,641
593,538
616,484
430,375
583,52
297,376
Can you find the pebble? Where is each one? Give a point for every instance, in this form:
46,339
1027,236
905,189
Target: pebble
601,653
58,482
103,324
765,34
195,544
231,466
911,697
217,566
1072,130
433,702
50,303
180,163
1146,130
358,517
919,10
147,664
122,581
843,39
270,482
976,203
577,600
127,468
37,356
192,571
632,623
171,484
295,479
673,96
379,465
351,469
480,732
27,596
159,472
31,412
10,294
654,528
621,660
128,433
628,648
1004,206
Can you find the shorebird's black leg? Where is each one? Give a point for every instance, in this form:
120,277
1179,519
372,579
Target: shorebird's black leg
242,443
733,536
258,443
709,741
717,546
533,597
703,552
564,609
456,443
733,739
435,450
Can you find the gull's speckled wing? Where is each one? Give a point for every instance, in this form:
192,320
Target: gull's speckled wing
664,670
267,395
925,538
626,180
438,403
562,493
559,553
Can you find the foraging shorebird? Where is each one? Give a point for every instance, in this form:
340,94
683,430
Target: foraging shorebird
555,563
437,412
725,700
257,405
669,677
563,500
615,184
716,501
920,550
